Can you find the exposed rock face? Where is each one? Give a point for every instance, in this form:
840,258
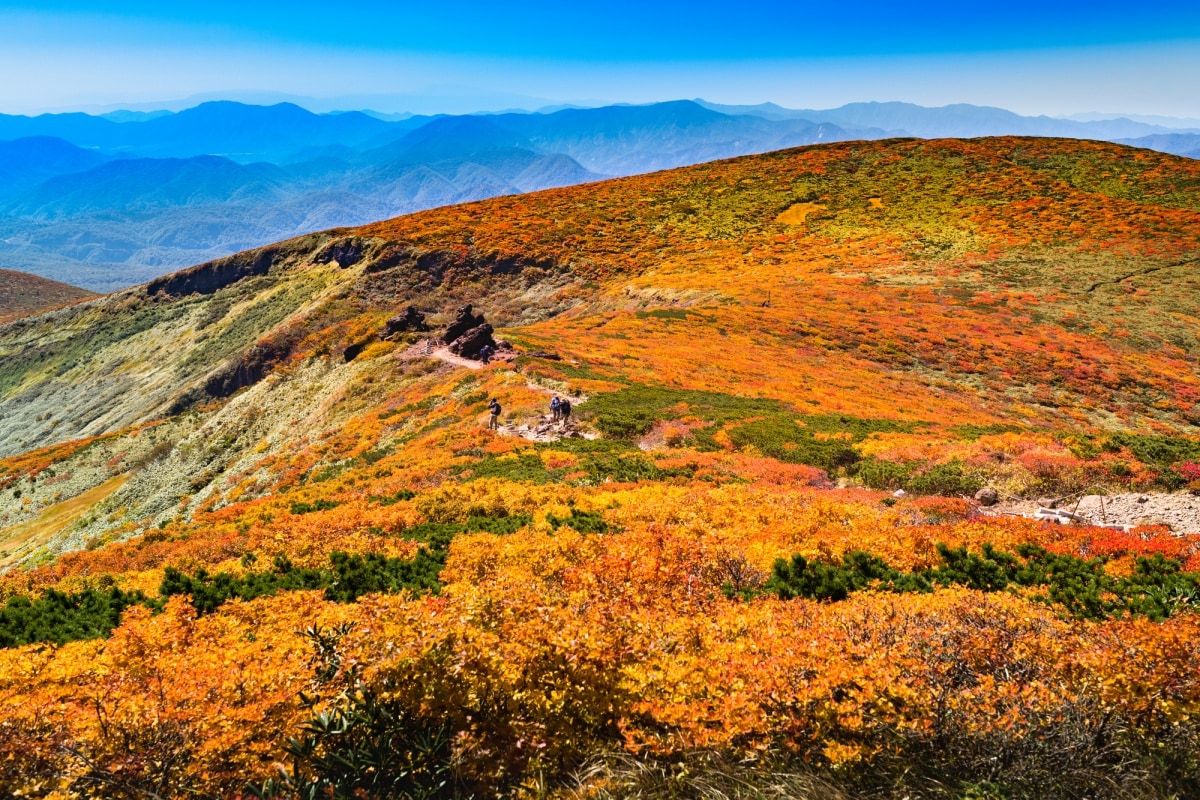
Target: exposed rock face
465,321
346,252
470,343
215,275
410,319
246,369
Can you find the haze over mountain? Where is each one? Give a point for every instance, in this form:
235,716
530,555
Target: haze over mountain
107,201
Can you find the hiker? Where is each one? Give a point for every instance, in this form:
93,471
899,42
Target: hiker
564,411
485,353
555,409
494,420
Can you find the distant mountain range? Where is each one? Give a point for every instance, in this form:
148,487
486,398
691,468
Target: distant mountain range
111,200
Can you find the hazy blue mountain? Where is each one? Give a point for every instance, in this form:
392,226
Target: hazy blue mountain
29,161
960,120
1180,144
135,186
240,132
623,140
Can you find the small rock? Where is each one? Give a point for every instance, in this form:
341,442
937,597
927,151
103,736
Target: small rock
1143,499
899,493
1047,502
987,496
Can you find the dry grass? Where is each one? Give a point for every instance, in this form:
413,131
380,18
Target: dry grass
702,776
20,540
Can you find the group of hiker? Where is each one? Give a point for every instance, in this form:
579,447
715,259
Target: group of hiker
560,411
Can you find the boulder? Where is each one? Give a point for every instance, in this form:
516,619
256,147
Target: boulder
410,319
465,321
472,341
987,496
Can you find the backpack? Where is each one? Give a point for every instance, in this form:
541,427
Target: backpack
564,406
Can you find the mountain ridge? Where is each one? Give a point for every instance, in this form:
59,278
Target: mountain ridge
362,162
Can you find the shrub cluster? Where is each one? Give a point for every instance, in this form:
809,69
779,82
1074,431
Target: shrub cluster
1157,587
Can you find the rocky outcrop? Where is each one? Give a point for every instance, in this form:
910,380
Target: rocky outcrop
470,343
246,369
408,320
465,320
469,333
346,252
215,275
987,496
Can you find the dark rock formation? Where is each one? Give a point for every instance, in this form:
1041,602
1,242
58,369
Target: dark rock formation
472,341
346,252
465,321
410,319
352,351
245,369
215,275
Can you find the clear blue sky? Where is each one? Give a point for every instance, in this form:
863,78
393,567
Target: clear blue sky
1035,57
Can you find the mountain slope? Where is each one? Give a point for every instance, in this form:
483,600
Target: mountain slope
106,224
1180,144
950,274
280,528
22,294
135,186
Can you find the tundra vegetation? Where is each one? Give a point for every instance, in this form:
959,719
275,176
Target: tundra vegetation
323,577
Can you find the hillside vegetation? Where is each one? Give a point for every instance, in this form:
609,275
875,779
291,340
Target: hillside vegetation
22,294
256,546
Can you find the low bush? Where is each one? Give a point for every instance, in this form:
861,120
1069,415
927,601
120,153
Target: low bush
1157,587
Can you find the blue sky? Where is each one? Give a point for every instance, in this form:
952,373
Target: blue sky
1033,57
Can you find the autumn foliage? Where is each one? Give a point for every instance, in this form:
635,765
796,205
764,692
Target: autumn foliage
391,600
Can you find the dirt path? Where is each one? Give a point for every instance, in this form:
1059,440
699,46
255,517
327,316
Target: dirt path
1179,511
427,349
543,430
546,429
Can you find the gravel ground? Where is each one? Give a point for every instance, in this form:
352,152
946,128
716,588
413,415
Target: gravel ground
1179,511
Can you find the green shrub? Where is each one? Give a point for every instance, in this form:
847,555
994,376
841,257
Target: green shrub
949,479
392,499
59,617
1157,451
879,474
317,505
582,521
1157,588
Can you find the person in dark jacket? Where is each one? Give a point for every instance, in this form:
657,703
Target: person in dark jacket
494,420
555,405
564,411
